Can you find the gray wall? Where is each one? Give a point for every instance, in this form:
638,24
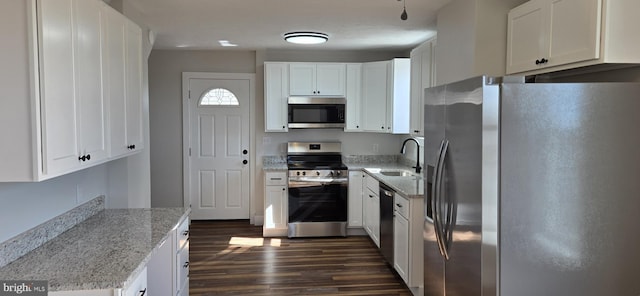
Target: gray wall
165,68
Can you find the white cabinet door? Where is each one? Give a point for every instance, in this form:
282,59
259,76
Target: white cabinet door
421,77
317,79
114,49
330,79
161,268
527,28
276,93
398,98
60,141
88,61
375,219
356,179
302,79
354,98
275,204
133,84
548,33
574,31
401,245
374,96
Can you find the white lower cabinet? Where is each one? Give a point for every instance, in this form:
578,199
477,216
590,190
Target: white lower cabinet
371,209
275,204
356,183
407,236
400,241
168,268
138,287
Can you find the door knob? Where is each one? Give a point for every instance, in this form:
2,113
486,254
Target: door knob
245,161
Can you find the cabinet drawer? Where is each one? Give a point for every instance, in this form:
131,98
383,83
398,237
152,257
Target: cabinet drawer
372,183
401,205
182,234
279,178
183,266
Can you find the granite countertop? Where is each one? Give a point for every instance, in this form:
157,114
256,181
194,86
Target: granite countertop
410,187
106,251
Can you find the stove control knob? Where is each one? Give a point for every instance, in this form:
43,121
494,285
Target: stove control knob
304,173
331,173
338,173
317,173
298,173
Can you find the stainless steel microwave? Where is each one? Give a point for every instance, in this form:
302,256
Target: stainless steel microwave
313,112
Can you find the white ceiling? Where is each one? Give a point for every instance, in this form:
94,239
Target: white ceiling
260,24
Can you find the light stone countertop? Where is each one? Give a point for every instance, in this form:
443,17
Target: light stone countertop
409,187
106,251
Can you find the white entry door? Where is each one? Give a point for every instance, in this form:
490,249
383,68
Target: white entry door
219,145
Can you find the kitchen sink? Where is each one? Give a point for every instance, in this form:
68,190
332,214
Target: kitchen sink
398,173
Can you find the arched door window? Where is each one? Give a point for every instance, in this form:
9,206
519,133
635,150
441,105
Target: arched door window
219,97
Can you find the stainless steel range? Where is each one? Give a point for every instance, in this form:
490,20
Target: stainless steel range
318,186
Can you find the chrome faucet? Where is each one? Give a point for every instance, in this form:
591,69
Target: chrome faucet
417,167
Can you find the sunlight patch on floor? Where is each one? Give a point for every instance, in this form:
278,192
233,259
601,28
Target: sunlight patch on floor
247,241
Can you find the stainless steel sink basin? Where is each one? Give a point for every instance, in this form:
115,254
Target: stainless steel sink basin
398,173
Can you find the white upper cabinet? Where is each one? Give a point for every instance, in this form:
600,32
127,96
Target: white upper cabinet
123,79
354,98
422,70
73,109
276,86
56,117
552,35
317,79
385,96
374,96
133,83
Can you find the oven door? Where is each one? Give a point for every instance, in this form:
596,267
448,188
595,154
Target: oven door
318,201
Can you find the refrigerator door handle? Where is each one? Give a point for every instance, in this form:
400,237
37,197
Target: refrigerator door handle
447,235
436,202
442,225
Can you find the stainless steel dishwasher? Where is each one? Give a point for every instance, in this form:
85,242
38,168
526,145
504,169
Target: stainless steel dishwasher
386,222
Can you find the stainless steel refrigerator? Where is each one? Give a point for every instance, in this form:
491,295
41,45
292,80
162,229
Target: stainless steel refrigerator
532,188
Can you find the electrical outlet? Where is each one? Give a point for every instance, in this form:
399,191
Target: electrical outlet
375,148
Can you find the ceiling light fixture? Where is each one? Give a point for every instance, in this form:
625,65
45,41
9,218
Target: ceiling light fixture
404,15
306,37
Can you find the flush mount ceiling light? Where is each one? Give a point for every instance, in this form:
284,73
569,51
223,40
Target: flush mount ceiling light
306,37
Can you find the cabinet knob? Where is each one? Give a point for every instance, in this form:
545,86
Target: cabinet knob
83,158
283,189
416,131
283,127
382,127
143,292
88,156
357,126
245,151
186,264
185,233
245,161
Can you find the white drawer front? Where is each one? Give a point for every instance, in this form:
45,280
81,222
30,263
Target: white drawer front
401,205
372,183
182,234
183,266
279,178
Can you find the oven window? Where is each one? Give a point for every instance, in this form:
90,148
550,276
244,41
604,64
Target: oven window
317,203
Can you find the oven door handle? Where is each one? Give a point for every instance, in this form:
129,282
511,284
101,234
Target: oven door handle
317,181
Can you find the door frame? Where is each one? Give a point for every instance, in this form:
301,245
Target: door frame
186,133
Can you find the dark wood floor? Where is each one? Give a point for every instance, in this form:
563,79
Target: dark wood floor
232,258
